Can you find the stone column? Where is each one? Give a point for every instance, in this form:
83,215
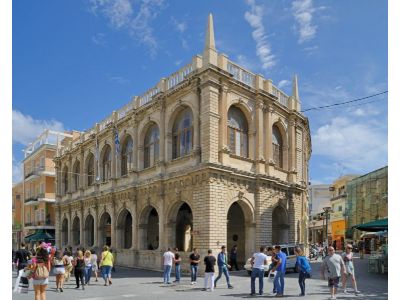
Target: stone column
258,127
135,166
69,226
268,111
223,113
292,150
95,225
69,188
113,224
82,172
135,224
163,125
81,227
58,226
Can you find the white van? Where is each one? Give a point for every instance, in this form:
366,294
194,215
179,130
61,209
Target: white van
288,249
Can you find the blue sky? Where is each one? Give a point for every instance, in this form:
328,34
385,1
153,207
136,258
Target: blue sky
93,56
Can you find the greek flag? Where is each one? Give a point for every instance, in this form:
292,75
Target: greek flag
116,140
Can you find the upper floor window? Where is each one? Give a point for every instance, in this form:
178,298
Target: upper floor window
65,180
90,169
237,132
277,146
182,134
76,175
126,156
151,146
106,163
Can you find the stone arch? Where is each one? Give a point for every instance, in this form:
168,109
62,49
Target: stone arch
64,232
124,229
76,231
149,228
285,142
142,136
76,174
180,223
126,156
240,229
181,140
89,168
89,230
105,162
280,225
105,229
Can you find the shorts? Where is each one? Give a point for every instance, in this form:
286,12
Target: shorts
333,282
349,269
94,268
59,270
40,281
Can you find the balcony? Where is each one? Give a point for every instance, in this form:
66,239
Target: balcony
37,172
31,201
339,197
48,224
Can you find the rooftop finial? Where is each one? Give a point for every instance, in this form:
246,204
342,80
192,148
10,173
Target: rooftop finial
295,88
210,41
210,55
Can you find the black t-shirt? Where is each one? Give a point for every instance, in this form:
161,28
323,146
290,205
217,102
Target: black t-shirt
22,255
177,256
194,257
210,263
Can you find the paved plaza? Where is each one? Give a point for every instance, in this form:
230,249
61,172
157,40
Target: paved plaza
142,284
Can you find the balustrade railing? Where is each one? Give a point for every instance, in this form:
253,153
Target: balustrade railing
147,97
241,74
179,76
282,97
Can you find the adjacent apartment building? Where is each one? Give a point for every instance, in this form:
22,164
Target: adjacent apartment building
17,203
38,188
367,200
212,155
320,197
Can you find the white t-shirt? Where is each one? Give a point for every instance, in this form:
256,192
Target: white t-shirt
259,258
168,258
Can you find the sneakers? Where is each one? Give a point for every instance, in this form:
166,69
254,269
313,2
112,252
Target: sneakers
192,283
332,297
252,294
345,291
230,287
279,295
61,290
357,292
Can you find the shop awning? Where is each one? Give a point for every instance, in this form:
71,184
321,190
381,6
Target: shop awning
377,225
40,235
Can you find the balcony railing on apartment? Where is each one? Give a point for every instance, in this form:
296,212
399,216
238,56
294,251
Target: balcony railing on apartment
39,223
344,195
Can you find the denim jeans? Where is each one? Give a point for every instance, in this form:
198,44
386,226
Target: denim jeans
88,274
106,272
167,273
255,272
222,269
279,281
193,273
178,273
302,282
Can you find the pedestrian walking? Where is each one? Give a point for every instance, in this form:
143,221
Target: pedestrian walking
67,258
233,258
95,267
106,263
274,261
349,269
304,269
79,269
209,272
334,265
194,265
361,248
168,258
177,261
58,263
88,266
21,257
223,267
41,269
280,268
258,261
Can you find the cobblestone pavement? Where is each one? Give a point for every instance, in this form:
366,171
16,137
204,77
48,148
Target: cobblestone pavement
141,284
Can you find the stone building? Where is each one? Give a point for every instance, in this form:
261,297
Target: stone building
212,155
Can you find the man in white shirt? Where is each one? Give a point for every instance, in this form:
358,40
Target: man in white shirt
168,258
258,261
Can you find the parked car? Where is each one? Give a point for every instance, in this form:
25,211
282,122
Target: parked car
288,249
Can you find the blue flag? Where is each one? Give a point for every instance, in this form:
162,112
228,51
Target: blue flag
116,140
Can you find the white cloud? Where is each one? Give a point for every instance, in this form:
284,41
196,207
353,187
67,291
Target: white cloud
98,39
179,26
303,13
25,129
283,83
263,49
121,14
357,146
16,170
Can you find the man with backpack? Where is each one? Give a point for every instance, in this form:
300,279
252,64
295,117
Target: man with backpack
21,257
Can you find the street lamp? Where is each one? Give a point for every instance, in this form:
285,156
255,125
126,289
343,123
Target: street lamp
327,209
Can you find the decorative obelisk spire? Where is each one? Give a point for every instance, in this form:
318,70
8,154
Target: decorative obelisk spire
295,88
210,55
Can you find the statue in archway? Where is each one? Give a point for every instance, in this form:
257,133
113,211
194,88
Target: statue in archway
187,238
